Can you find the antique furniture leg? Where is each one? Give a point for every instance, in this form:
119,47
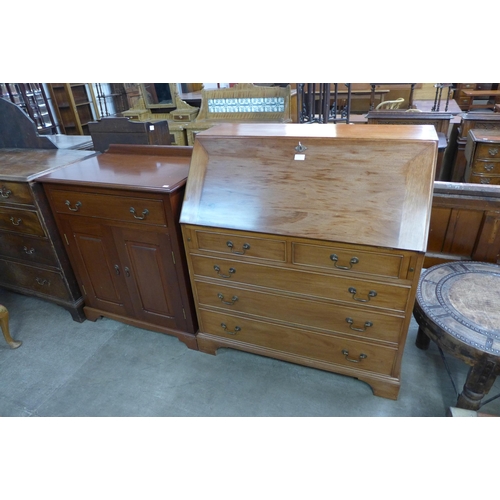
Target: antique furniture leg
422,341
480,379
4,324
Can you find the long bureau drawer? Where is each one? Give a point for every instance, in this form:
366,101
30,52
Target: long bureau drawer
345,289
21,221
487,151
32,278
121,208
357,321
30,249
329,348
15,192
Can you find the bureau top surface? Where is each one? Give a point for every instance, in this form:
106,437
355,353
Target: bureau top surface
19,164
141,172
480,135
362,184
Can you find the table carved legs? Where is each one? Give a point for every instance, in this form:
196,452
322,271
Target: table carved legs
4,324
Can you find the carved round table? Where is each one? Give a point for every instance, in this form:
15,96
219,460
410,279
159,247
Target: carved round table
458,307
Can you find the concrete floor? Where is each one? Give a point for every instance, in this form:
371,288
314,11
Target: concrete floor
106,368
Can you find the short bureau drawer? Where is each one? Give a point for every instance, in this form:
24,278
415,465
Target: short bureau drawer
487,151
486,167
123,208
344,259
358,321
484,179
30,249
34,279
15,192
300,342
330,286
20,221
233,244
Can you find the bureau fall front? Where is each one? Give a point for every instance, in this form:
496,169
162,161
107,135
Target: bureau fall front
305,243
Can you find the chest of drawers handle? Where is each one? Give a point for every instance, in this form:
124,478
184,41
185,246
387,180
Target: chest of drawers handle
145,213
368,324
489,167
42,282
236,329
485,180
371,293
233,299
493,151
4,192
245,247
77,206
362,356
335,258
14,222
232,270
30,251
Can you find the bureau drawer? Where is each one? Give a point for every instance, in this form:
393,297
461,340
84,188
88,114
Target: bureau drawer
15,192
348,260
486,167
33,250
232,244
346,289
484,179
122,208
316,346
358,321
34,279
20,221
487,151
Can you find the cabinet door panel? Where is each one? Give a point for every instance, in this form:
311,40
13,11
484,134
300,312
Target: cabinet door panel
151,277
97,268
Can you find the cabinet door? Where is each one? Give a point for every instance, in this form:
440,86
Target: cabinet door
91,250
150,271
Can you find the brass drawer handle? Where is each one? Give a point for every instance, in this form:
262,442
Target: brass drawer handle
145,213
485,180
236,329
31,251
4,192
368,324
362,356
371,293
42,282
489,167
117,269
233,300
14,222
335,258
246,247
77,206
232,270
493,151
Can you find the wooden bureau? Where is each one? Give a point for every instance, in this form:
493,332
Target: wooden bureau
305,242
118,214
33,260
482,153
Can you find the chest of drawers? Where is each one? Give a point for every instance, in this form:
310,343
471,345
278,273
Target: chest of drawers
482,152
118,214
33,260
306,243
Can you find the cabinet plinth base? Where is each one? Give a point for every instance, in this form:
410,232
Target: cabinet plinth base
187,338
385,387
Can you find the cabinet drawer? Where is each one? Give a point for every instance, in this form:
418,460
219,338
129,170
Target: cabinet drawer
484,179
487,151
232,244
122,208
346,289
316,346
358,321
20,221
15,192
33,250
34,279
347,260
486,167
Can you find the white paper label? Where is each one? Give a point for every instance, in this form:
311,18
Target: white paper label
300,157
151,127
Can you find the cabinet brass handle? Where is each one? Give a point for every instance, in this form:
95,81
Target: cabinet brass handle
371,293
245,247
77,205
489,167
43,282
232,270
127,272
16,223
485,180
493,151
335,258
236,329
29,251
368,324
233,300
362,356
4,192
117,269
145,213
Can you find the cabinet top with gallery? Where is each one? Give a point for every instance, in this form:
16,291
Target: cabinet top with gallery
362,184
126,166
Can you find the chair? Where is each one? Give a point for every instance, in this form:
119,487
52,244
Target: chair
4,324
395,104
